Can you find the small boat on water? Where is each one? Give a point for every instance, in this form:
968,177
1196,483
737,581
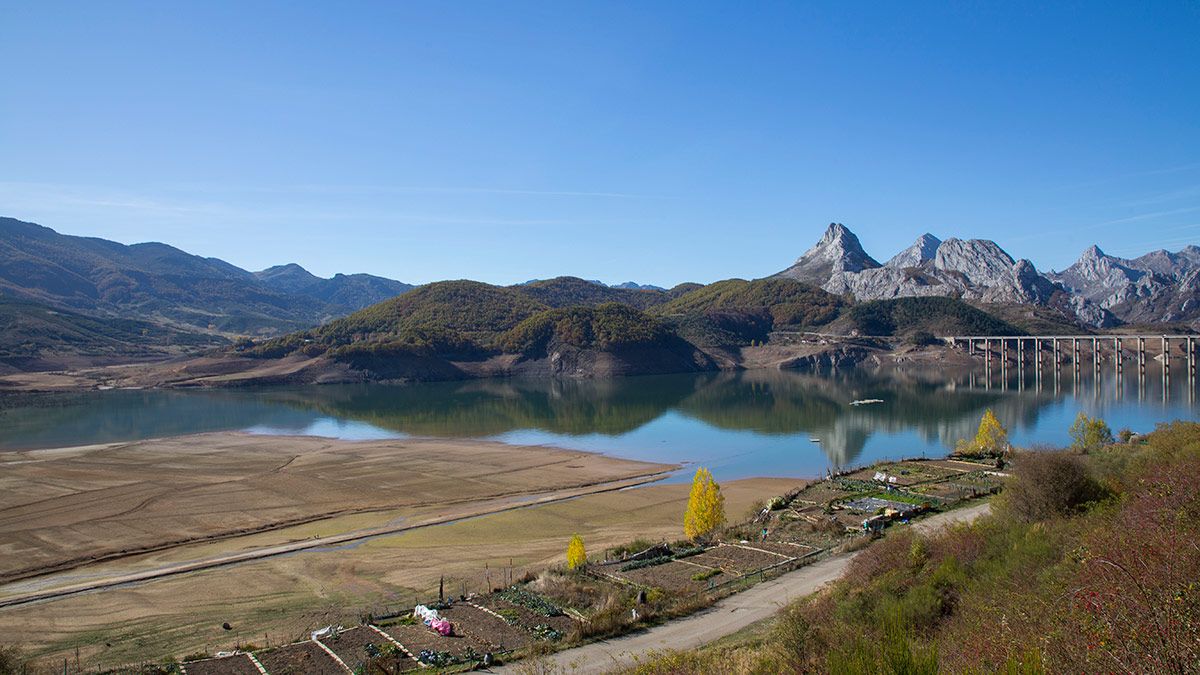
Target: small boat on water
814,440
866,401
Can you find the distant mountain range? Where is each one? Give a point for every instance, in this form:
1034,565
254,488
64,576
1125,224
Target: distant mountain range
94,278
1098,290
161,283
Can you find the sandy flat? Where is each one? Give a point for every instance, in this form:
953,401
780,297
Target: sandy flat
65,508
280,598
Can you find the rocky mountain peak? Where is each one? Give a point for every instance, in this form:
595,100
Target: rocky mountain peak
981,261
922,251
837,252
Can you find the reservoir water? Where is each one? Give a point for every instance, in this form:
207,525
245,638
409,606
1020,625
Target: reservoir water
740,424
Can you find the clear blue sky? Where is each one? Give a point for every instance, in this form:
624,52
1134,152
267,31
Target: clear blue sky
659,142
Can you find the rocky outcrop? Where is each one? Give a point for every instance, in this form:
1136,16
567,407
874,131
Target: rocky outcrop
922,251
1160,286
971,269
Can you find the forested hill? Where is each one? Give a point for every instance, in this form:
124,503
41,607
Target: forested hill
577,322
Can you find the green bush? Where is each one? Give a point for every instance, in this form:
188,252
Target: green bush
1089,433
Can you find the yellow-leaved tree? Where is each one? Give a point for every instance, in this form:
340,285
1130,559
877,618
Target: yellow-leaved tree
706,507
990,440
992,437
576,555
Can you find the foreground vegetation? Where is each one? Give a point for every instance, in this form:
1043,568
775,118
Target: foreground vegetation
1089,563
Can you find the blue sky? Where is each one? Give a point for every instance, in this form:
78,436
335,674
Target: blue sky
659,142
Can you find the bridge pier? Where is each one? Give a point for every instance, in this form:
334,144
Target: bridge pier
1021,360
1191,357
987,358
1004,361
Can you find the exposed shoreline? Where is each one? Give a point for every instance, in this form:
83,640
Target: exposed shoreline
510,503
66,508
228,370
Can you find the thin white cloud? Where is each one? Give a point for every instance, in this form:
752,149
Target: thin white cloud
76,201
1126,176
1146,216
403,189
1163,197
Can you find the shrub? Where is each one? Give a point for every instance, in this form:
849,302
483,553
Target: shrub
1089,433
635,546
1046,484
922,338
12,660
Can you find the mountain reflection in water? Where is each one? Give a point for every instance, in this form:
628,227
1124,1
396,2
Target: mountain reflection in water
740,423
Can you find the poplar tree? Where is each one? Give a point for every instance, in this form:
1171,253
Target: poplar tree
576,555
992,437
706,507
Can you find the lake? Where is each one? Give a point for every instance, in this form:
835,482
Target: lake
740,424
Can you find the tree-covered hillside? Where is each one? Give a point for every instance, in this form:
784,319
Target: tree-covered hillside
602,327
786,302
934,315
573,291
469,319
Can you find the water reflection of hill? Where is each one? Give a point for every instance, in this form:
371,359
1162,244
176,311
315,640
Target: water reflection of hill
764,402
490,407
776,402
111,416
934,408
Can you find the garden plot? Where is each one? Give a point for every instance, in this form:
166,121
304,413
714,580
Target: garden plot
391,664
959,465
229,665
419,638
906,473
487,628
677,576
873,505
356,646
820,494
788,549
737,559
526,617
305,658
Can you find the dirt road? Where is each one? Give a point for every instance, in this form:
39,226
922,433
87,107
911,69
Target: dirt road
725,617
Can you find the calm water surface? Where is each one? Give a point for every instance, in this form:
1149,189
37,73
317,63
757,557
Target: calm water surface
756,423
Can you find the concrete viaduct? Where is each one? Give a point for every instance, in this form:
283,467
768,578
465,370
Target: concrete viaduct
999,352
